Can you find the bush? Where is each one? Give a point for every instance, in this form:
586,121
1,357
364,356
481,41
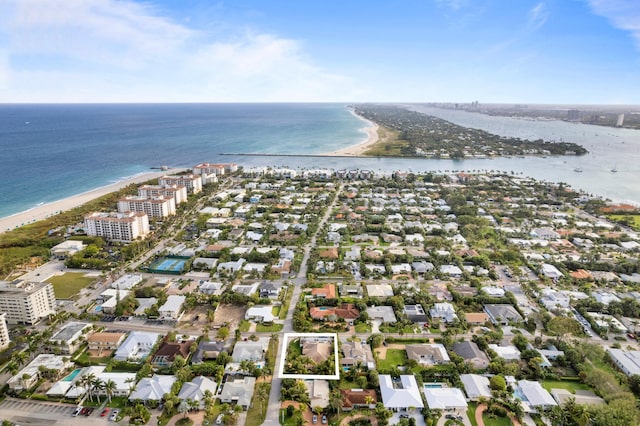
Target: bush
498,411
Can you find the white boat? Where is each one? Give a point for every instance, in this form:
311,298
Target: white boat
578,170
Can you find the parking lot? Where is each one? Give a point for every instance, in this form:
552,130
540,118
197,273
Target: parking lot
36,413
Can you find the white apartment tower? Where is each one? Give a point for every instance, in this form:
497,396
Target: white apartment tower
25,302
193,183
179,193
160,206
4,332
122,227
210,171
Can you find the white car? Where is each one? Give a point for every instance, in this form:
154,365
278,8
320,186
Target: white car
219,419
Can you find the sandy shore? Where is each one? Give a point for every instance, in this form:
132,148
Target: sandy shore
359,149
46,210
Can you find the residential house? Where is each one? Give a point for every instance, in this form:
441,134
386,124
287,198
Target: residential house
428,354
328,291
357,352
250,350
268,290
260,313
415,313
400,393
476,386
318,391
508,352
104,343
379,290
137,346
444,312
449,400
502,314
172,309
472,354
534,397
354,290
69,338
168,351
476,318
238,392
627,361
152,388
29,375
382,314
353,399
317,351
195,390
207,350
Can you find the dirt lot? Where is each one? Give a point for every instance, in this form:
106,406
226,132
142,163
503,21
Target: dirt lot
188,320
229,314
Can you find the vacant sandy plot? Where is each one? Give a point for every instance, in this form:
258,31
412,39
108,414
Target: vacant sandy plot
231,315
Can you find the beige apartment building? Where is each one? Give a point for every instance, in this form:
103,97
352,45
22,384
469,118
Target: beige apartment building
25,302
160,206
193,183
179,193
4,332
122,227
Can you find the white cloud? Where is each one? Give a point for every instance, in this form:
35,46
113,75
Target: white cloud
111,50
452,4
538,15
622,14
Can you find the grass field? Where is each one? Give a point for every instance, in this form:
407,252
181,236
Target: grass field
632,219
258,409
394,358
388,143
571,386
268,328
495,420
69,284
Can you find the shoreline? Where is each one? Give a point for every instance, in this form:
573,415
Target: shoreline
358,150
44,211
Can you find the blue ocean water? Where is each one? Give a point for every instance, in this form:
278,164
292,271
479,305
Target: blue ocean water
50,152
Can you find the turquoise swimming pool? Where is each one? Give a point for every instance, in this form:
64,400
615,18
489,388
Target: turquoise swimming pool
72,375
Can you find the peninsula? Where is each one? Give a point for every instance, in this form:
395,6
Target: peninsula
407,133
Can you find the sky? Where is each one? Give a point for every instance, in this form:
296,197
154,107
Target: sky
492,51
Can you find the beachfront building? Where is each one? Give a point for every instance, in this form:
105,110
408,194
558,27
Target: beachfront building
4,333
193,183
210,172
160,206
25,302
121,227
178,192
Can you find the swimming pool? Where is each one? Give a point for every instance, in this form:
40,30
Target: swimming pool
433,385
72,375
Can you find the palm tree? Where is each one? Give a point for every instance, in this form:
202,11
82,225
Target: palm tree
86,382
131,382
19,357
193,404
95,386
109,389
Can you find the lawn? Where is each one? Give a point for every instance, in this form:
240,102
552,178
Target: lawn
286,301
69,284
363,328
471,413
495,420
632,220
269,328
258,409
394,358
276,310
570,385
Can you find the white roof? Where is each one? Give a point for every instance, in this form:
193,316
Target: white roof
126,282
507,352
401,393
152,388
173,303
120,379
475,385
264,312
535,394
137,345
444,398
629,360
196,388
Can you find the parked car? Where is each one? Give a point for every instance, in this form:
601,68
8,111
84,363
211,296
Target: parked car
314,419
104,412
324,419
114,415
89,412
219,419
77,411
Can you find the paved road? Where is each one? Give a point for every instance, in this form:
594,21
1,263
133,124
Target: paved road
273,410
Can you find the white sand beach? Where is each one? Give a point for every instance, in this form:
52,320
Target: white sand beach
359,149
41,212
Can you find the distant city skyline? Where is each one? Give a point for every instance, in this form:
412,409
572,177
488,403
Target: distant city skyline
492,51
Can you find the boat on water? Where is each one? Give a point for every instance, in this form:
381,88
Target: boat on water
578,170
614,170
